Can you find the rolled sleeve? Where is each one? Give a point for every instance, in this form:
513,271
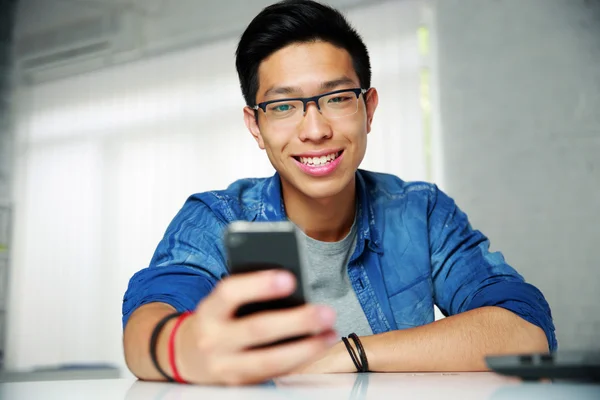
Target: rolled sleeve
186,265
180,287
466,275
521,298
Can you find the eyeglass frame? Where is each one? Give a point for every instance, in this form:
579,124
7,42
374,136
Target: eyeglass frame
305,100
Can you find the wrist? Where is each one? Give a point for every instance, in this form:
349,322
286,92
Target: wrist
344,362
159,345
184,345
356,353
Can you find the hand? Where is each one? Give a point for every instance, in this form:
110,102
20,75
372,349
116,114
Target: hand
215,347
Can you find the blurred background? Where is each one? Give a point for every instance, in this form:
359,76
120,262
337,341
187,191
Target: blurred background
113,112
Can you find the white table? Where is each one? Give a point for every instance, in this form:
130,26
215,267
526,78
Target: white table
464,386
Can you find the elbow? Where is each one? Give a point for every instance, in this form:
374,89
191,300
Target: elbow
530,338
537,342
523,336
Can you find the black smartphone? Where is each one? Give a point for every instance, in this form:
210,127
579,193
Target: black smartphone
259,246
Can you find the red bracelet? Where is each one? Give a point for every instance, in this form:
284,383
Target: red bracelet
178,322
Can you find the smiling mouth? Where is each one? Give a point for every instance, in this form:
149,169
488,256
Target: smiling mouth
318,161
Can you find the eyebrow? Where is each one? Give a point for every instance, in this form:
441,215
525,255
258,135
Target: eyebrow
330,85
289,90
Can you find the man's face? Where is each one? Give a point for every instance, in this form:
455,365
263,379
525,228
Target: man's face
306,70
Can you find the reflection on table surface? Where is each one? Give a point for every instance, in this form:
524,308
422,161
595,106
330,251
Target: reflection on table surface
466,386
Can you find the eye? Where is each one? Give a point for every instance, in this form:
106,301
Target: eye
280,108
339,99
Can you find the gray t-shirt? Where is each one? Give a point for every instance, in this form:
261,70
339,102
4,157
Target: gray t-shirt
328,282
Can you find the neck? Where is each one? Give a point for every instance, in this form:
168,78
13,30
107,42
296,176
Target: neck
328,219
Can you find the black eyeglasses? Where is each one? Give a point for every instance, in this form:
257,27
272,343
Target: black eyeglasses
332,105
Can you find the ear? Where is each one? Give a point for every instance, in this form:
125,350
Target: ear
252,124
372,100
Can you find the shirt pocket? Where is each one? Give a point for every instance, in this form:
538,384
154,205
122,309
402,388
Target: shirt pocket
412,305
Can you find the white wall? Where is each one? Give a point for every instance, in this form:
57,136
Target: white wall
520,108
105,160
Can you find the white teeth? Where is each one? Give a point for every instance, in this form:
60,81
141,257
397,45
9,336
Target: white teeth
318,160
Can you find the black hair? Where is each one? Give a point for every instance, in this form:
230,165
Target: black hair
296,21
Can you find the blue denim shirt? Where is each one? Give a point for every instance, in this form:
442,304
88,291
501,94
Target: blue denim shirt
415,248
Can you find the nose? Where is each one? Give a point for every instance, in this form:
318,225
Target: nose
314,126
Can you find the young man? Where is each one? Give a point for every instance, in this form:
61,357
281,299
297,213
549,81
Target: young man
382,253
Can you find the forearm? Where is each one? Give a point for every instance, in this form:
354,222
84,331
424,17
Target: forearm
136,340
456,343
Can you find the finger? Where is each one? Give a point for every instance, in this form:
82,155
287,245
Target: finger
236,290
271,326
255,366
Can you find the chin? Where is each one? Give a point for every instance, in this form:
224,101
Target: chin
322,189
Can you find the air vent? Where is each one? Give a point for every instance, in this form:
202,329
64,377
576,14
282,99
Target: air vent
86,38
62,56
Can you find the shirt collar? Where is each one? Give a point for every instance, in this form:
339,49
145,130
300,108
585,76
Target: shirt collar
273,209
271,202
368,232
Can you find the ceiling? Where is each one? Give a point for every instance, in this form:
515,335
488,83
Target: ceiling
57,38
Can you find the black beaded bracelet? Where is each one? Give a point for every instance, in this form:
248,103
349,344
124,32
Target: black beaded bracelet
352,353
154,340
364,363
